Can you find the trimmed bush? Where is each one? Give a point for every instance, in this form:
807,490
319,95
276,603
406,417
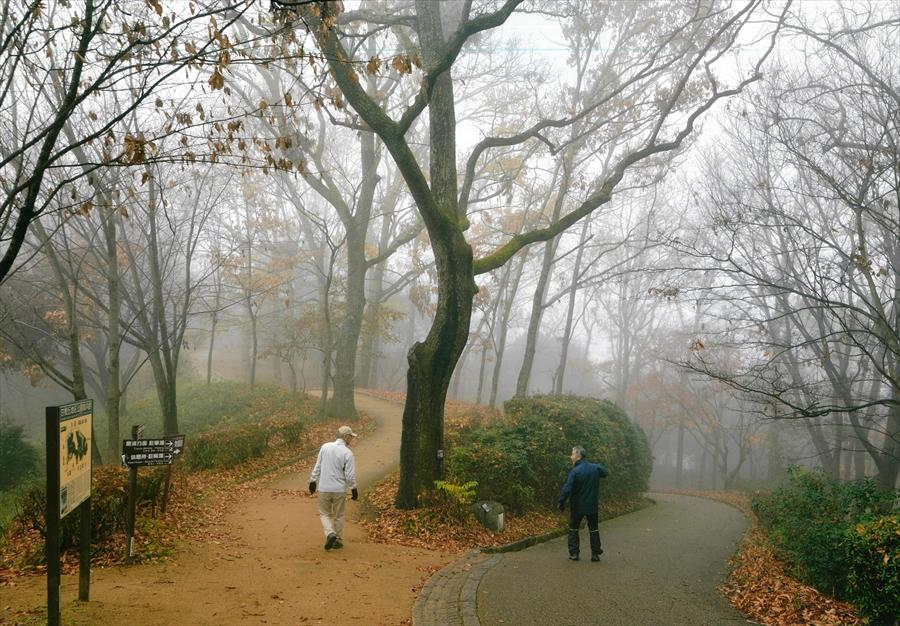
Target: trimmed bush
523,459
18,458
808,518
873,564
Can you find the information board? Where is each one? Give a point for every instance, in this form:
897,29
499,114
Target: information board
75,443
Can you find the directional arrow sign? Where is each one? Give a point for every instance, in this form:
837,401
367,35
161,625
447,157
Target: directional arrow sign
138,460
177,443
137,452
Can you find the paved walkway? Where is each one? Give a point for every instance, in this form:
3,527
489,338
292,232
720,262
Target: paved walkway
661,565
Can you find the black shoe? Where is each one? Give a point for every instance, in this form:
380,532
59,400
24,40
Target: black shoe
573,557
595,557
329,542
337,544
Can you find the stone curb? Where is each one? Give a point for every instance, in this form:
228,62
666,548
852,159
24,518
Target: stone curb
527,542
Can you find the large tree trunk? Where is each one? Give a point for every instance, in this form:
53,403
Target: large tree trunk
368,368
357,226
484,354
371,348
431,365
327,343
431,362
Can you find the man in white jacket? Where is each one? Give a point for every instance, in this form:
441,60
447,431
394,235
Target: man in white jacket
333,475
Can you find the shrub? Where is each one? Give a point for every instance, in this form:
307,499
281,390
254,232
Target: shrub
109,501
522,460
448,501
291,430
18,458
222,449
202,407
807,519
463,494
873,564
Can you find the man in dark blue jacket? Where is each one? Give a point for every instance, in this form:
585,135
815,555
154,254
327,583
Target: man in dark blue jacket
582,487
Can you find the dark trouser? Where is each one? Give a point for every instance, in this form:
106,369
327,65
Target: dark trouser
593,532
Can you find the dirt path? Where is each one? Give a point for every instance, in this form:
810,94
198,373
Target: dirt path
273,570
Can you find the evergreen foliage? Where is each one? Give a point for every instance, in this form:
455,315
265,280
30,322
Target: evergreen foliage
873,563
827,533
523,459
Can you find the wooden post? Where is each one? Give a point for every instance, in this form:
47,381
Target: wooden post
165,498
52,515
137,432
84,552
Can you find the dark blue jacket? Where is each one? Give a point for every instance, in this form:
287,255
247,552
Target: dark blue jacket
583,485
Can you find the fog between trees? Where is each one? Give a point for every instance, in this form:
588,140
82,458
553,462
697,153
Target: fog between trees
690,208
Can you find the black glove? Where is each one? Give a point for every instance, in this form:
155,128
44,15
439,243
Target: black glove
312,486
354,494
561,506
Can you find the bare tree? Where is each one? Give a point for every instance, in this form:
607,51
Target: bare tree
806,234
55,61
697,36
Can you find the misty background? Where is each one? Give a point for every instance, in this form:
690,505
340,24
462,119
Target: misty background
738,296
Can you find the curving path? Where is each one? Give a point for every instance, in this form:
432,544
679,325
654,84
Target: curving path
661,565
263,563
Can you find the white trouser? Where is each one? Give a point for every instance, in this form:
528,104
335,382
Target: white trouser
331,512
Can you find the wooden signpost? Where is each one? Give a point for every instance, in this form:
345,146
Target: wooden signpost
137,452
68,434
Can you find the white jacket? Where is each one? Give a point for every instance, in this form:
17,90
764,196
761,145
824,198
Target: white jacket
335,470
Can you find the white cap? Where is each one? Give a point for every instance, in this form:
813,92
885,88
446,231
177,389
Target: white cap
345,431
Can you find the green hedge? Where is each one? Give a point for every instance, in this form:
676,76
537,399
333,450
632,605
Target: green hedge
811,521
873,563
523,459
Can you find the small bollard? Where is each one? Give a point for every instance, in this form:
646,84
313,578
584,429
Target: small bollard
490,514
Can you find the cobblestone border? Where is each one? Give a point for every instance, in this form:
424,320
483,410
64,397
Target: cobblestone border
449,596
